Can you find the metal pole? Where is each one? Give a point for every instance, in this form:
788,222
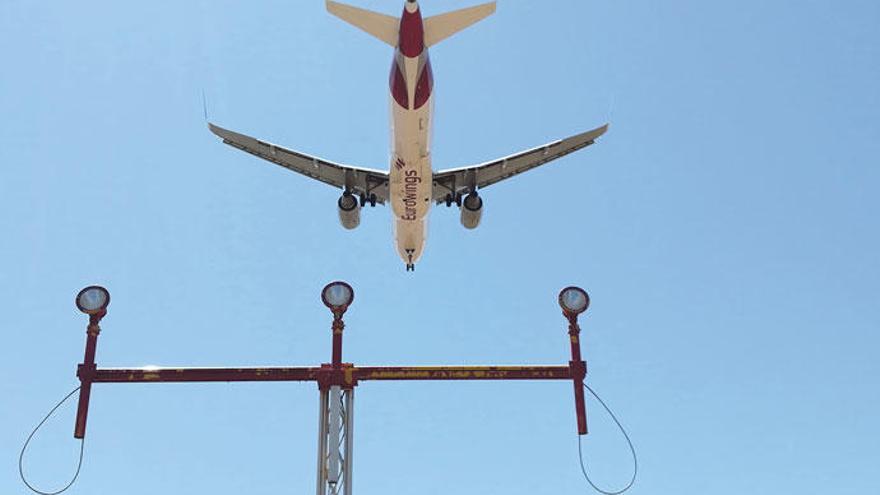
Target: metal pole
322,443
349,439
578,373
86,373
338,327
335,424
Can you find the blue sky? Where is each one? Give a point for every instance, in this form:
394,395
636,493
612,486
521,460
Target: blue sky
725,227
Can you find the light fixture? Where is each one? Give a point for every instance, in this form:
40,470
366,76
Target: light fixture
573,300
93,300
337,296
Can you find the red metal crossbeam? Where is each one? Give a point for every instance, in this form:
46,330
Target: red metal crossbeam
336,373
157,375
311,374
463,373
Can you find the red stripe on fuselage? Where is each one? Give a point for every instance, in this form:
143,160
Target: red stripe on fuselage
398,85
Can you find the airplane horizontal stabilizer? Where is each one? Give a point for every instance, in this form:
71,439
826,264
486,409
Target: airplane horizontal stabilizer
440,27
379,25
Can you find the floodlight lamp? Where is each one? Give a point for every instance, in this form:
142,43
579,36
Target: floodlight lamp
93,300
574,300
337,296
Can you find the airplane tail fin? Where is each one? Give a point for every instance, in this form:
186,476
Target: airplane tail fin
379,25
440,27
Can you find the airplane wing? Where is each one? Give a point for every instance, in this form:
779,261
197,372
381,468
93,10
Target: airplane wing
355,179
465,179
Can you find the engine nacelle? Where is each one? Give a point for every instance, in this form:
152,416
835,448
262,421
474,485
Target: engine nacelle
471,210
349,211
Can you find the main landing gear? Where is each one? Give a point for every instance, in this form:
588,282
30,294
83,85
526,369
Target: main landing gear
371,199
450,198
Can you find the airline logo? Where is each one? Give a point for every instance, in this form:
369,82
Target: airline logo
410,190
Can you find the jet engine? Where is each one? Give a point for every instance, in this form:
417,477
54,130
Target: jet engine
349,211
471,210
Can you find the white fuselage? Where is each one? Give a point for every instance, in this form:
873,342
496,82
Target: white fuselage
410,184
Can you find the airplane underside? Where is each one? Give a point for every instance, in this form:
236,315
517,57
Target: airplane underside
410,185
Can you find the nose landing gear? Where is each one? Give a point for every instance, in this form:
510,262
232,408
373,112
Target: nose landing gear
410,267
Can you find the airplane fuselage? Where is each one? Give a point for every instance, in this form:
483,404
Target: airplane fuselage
411,100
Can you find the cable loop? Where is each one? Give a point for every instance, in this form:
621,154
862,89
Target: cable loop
26,442
628,441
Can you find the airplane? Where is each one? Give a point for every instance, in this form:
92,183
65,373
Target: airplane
410,185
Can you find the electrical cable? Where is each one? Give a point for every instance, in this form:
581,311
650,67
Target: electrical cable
628,441
26,442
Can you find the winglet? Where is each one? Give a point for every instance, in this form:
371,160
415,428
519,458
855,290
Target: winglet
205,106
